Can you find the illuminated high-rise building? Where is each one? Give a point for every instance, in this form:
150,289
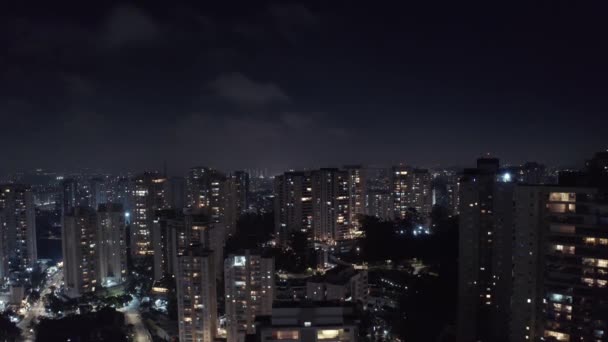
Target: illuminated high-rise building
420,194
379,204
485,251
80,252
293,204
560,270
331,212
19,230
173,232
205,189
314,202
196,296
411,188
357,192
453,195
148,196
166,228
111,244
400,187
249,292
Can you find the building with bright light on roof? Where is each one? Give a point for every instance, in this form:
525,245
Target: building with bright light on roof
249,292
148,196
485,251
111,244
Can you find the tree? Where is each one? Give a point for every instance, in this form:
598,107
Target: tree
379,239
106,324
251,231
8,330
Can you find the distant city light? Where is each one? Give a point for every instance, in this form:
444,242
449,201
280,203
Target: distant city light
506,177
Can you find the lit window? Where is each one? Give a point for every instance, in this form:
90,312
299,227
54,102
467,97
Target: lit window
557,335
286,335
562,197
328,334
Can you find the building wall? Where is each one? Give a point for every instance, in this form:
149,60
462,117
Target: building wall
111,244
357,191
331,213
310,324
249,291
17,203
563,272
196,297
236,195
148,196
485,249
80,254
293,204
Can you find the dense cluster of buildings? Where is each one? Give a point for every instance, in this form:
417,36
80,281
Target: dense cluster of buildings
327,203
533,251
533,257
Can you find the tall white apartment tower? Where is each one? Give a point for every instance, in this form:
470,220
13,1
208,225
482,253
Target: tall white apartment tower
249,291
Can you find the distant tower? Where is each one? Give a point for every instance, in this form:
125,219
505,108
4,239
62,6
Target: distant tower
205,191
411,188
69,198
357,192
236,196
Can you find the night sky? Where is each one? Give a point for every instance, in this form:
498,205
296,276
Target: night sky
301,84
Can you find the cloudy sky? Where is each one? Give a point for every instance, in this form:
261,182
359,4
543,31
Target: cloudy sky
230,84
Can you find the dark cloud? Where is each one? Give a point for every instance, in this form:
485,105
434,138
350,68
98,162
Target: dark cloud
241,90
77,85
128,24
292,19
294,15
316,83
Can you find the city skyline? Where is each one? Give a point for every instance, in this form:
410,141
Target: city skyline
304,170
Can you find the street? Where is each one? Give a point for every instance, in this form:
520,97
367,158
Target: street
37,309
133,317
